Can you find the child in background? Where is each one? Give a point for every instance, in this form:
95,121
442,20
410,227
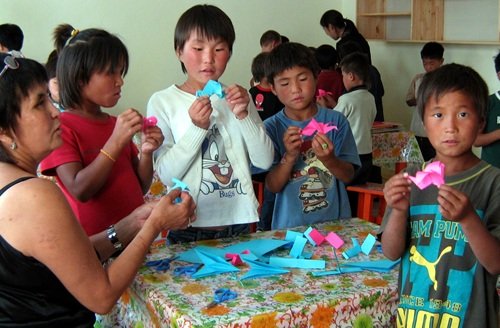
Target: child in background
489,139
358,106
448,236
267,104
309,173
11,38
98,167
210,142
50,67
432,58
330,77
269,40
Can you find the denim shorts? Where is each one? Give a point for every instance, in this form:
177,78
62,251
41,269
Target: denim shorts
194,234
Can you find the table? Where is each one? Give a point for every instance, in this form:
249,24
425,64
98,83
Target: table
393,147
295,299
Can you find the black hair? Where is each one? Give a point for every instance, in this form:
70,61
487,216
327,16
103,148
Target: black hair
208,21
450,78
259,66
85,53
51,64
269,37
432,50
327,56
497,62
288,55
284,39
358,64
15,85
11,36
334,18
347,48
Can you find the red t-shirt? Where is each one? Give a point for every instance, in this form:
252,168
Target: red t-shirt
82,140
331,81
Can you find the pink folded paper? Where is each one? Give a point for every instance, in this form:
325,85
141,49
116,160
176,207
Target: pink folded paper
315,126
322,93
433,173
149,121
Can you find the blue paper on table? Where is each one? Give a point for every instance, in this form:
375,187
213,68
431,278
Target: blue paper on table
212,265
260,270
335,272
296,263
259,247
378,265
211,88
353,251
192,256
291,235
368,243
298,247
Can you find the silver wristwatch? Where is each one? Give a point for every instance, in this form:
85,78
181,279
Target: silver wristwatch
113,238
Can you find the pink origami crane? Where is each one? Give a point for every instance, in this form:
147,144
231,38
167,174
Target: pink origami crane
322,93
315,126
433,173
149,121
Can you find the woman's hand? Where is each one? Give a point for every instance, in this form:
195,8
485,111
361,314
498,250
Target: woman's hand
238,100
171,215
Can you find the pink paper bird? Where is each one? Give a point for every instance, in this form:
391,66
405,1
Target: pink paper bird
433,173
322,93
315,126
149,121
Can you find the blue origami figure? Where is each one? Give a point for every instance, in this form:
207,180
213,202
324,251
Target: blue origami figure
212,87
180,185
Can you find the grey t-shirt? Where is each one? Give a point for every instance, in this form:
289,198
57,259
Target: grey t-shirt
440,277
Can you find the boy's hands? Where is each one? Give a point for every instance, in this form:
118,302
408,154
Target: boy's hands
200,112
454,205
326,101
238,100
397,192
323,147
293,141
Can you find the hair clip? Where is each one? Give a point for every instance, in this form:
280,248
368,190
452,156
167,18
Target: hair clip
10,62
74,33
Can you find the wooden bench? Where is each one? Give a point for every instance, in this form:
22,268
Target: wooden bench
367,194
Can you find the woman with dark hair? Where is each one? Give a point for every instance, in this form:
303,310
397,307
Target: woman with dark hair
342,29
50,274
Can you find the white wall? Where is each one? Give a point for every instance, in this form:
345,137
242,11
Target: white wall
146,27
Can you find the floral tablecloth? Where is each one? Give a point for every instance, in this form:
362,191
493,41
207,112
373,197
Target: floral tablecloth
390,148
295,299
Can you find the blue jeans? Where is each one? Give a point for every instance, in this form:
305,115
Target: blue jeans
194,234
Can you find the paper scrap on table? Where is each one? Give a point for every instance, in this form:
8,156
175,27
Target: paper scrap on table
335,272
296,263
211,88
291,235
314,236
298,246
433,173
212,265
378,265
366,247
260,270
315,126
333,239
